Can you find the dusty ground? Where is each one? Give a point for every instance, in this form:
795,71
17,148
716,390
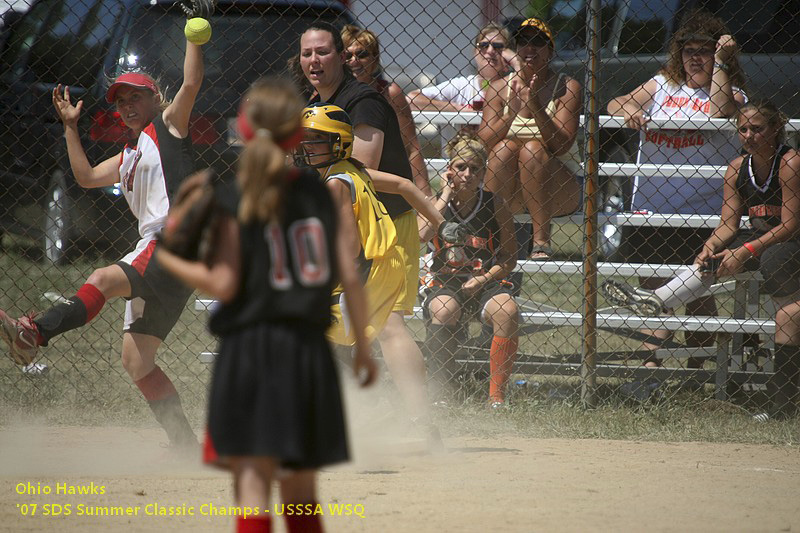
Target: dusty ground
479,484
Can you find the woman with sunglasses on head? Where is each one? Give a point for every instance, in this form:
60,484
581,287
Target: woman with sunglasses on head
530,121
362,55
702,79
764,184
466,93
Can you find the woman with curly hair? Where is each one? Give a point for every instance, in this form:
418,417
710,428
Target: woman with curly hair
702,79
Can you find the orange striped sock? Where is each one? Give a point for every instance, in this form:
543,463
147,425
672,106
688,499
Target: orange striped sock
501,360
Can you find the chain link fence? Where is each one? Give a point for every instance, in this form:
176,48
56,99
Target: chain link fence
509,79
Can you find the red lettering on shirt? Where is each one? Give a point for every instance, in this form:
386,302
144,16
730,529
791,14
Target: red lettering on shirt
695,104
764,211
127,179
477,242
677,142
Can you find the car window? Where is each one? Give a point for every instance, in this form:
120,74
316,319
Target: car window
22,38
92,42
568,20
244,47
770,27
646,26
50,55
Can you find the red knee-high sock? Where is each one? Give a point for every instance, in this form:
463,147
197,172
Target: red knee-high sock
92,298
163,399
304,523
253,524
156,385
501,360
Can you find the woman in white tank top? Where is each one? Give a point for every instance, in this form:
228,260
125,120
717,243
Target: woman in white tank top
702,79
530,121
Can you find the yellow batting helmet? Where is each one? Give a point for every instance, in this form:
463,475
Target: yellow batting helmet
335,123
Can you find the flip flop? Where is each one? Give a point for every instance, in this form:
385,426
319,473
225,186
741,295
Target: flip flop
540,252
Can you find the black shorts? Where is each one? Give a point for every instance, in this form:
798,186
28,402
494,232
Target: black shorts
275,393
779,264
471,306
157,298
672,246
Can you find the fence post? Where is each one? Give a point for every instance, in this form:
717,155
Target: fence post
591,123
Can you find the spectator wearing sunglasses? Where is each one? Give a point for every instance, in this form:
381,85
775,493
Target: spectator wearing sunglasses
378,145
531,121
466,93
362,55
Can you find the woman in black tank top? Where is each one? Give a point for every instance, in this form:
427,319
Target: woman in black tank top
765,185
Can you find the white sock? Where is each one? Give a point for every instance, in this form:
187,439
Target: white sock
689,285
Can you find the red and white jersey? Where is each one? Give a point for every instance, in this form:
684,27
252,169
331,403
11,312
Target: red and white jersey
682,147
150,170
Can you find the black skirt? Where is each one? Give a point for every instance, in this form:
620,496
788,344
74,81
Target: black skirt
275,393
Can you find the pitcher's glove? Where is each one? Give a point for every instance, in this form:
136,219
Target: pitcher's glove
189,229
451,232
198,8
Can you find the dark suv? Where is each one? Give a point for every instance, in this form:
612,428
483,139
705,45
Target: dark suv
84,43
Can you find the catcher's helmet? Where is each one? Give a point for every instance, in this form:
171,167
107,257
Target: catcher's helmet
333,122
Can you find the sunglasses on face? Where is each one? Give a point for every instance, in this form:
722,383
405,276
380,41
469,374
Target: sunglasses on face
361,54
484,45
538,40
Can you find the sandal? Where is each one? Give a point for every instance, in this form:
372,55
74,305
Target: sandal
540,252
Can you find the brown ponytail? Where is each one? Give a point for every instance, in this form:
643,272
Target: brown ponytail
272,109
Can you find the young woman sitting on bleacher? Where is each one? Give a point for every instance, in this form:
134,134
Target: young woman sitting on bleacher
468,279
530,123
764,184
702,79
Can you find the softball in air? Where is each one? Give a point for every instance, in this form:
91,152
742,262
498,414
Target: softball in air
197,30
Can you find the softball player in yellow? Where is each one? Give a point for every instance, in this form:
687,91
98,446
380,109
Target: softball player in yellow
327,146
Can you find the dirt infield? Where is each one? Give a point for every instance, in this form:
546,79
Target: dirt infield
478,484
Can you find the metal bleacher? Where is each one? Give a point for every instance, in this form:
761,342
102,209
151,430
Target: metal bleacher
731,364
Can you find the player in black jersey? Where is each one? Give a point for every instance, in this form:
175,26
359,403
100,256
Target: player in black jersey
150,167
765,185
275,399
468,279
378,145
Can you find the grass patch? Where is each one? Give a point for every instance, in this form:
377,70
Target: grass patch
87,385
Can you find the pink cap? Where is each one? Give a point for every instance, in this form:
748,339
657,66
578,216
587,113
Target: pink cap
131,79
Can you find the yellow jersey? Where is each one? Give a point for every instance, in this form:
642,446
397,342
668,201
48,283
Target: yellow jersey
376,230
